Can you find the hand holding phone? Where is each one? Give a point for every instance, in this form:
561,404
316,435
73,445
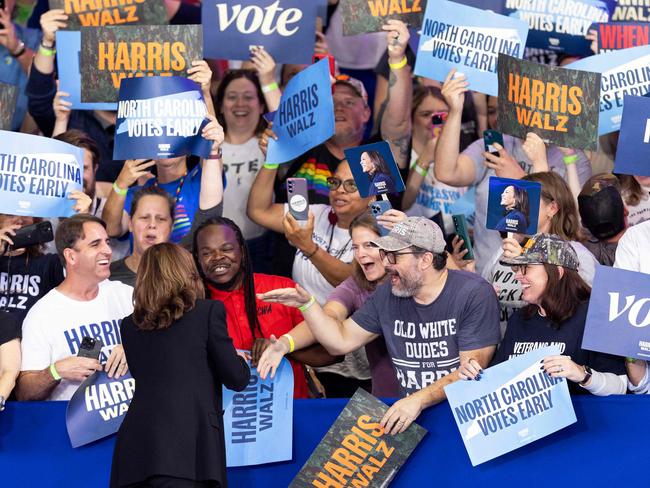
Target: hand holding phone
90,348
460,224
30,235
378,208
490,137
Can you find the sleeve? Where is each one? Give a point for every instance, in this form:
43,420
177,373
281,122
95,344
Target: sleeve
628,252
475,152
368,316
40,91
231,369
479,322
201,216
606,363
501,353
587,263
9,327
54,271
583,166
643,387
343,294
35,351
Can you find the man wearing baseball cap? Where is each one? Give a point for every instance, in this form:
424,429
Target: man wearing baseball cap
431,318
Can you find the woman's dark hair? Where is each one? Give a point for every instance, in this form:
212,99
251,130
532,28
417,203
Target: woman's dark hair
366,221
420,92
167,286
152,191
631,190
81,139
566,222
378,161
246,269
562,296
231,76
521,201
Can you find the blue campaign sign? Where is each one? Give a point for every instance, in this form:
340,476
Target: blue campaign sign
562,24
258,421
374,169
618,319
513,205
37,175
305,117
633,148
470,40
160,117
625,72
97,408
513,404
286,29
67,64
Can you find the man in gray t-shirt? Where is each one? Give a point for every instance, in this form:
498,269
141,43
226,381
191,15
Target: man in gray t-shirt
431,319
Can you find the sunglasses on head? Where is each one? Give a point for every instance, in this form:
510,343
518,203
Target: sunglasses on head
348,185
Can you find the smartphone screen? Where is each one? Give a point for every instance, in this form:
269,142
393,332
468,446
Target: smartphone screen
489,138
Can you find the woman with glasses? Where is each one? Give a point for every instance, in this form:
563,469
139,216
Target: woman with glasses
555,313
424,195
324,248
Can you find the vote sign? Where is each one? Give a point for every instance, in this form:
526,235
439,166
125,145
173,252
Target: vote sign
618,319
286,29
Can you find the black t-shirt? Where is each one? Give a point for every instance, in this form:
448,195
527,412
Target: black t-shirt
121,272
9,327
24,280
524,335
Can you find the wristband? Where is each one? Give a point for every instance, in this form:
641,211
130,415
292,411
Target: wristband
271,166
569,160
46,51
217,155
311,301
55,374
21,50
292,344
399,65
270,87
420,170
119,190
312,253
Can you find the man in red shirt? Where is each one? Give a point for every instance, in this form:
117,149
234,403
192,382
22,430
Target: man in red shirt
225,265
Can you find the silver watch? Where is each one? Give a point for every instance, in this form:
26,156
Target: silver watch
2,403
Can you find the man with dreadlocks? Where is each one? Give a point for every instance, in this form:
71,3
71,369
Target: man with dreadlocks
225,265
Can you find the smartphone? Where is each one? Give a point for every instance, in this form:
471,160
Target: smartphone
460,223
437,121
489,138
298,198
378,208
330,59
90,348
30,235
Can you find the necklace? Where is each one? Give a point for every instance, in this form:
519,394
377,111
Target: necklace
329,244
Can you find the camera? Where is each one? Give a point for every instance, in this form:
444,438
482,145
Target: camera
30,235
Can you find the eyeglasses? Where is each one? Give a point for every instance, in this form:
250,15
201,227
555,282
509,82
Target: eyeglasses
391,256
348,185
520,268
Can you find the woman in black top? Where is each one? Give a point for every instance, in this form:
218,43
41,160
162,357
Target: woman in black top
180,355
556,313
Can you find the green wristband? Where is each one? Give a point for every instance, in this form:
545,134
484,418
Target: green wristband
571,159
55,374
271,166
311,301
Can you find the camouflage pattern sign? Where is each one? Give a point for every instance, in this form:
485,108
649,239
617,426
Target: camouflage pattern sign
8,97
559,105
96,13
110,54
361,16
355,451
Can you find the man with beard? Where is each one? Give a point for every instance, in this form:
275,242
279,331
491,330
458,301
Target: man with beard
431,318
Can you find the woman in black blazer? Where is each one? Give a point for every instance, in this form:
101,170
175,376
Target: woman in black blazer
180,355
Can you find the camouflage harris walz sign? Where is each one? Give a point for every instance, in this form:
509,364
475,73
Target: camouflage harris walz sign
111,54
96,13
558,104
361,16
8,98
355,451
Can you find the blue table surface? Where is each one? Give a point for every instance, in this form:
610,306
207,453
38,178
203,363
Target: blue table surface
605,447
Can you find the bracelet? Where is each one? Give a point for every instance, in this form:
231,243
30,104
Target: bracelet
420,170
311,301
46,51
399,65
271,166
569,160
311,254
630,360
270,87
48,47
217,155
21,50
119,190
292,344
55,374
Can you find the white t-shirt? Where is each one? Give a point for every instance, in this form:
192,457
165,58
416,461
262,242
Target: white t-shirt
640,212
241,164
632,251
435,196
56,325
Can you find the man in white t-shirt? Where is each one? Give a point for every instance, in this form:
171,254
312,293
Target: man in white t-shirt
86,304
632,251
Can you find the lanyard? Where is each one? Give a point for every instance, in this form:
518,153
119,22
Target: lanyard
342,250
178,188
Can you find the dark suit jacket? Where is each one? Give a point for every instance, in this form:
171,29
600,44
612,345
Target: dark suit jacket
174,426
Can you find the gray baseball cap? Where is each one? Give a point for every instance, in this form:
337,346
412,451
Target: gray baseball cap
545,249
413,231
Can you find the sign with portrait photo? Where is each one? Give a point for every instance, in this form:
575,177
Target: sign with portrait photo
374,169
513,205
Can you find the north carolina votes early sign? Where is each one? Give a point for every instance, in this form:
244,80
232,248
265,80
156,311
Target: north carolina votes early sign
96,13
37,175
514,404
557,104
